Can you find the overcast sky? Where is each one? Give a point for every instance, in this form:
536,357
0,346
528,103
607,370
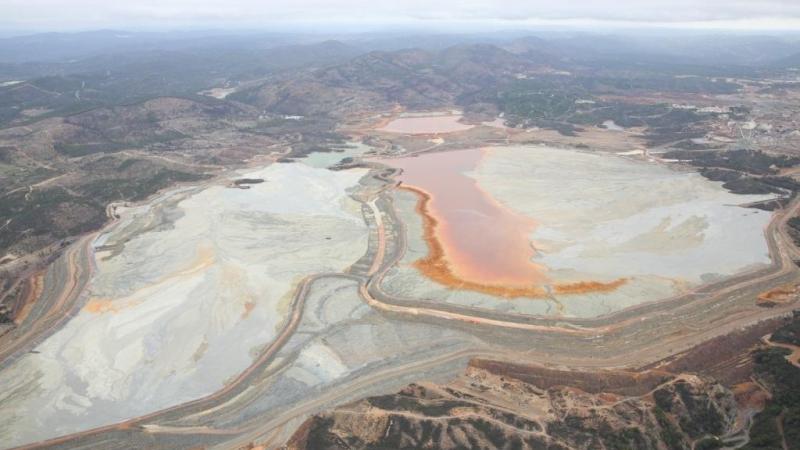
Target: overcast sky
89,14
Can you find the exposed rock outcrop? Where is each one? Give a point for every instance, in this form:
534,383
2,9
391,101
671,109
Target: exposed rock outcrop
501,406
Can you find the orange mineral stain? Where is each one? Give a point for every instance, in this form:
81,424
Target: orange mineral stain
107,305
474,242
101,305
439,268
204,259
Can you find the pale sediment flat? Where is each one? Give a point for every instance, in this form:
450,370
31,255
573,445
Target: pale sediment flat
612,126
339,339
428,124
187,290
599,218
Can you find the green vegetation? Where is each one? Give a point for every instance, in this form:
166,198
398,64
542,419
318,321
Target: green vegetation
764,433
793,227
56,213
550,102
670,434
126,164
623,114
38,213
625,439
703,417
543,102
14,176
749,161
783,380
650,81
523,101
789,333
75,150
709,443
762,185
743,171
434,407
105,191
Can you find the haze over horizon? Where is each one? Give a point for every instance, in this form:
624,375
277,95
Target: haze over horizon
354,15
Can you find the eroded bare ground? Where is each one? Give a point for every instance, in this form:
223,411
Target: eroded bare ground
493,407
707,397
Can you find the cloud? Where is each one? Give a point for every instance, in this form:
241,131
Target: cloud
103,13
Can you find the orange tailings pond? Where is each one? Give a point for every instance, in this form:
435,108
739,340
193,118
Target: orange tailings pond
474,242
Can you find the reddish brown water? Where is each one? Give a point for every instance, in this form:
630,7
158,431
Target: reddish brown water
473,240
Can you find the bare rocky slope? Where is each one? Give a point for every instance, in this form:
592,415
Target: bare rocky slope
496,405
735,391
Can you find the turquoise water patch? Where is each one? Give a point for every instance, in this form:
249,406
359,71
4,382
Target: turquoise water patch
322,160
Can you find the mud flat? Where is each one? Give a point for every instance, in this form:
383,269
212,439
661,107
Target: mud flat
187,291
431,123
605,232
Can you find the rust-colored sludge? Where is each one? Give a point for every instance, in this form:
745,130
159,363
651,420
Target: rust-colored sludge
474,242
436,267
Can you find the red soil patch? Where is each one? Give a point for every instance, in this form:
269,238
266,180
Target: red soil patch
779,296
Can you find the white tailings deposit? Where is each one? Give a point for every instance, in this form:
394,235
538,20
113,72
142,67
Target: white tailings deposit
188,290
601,218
